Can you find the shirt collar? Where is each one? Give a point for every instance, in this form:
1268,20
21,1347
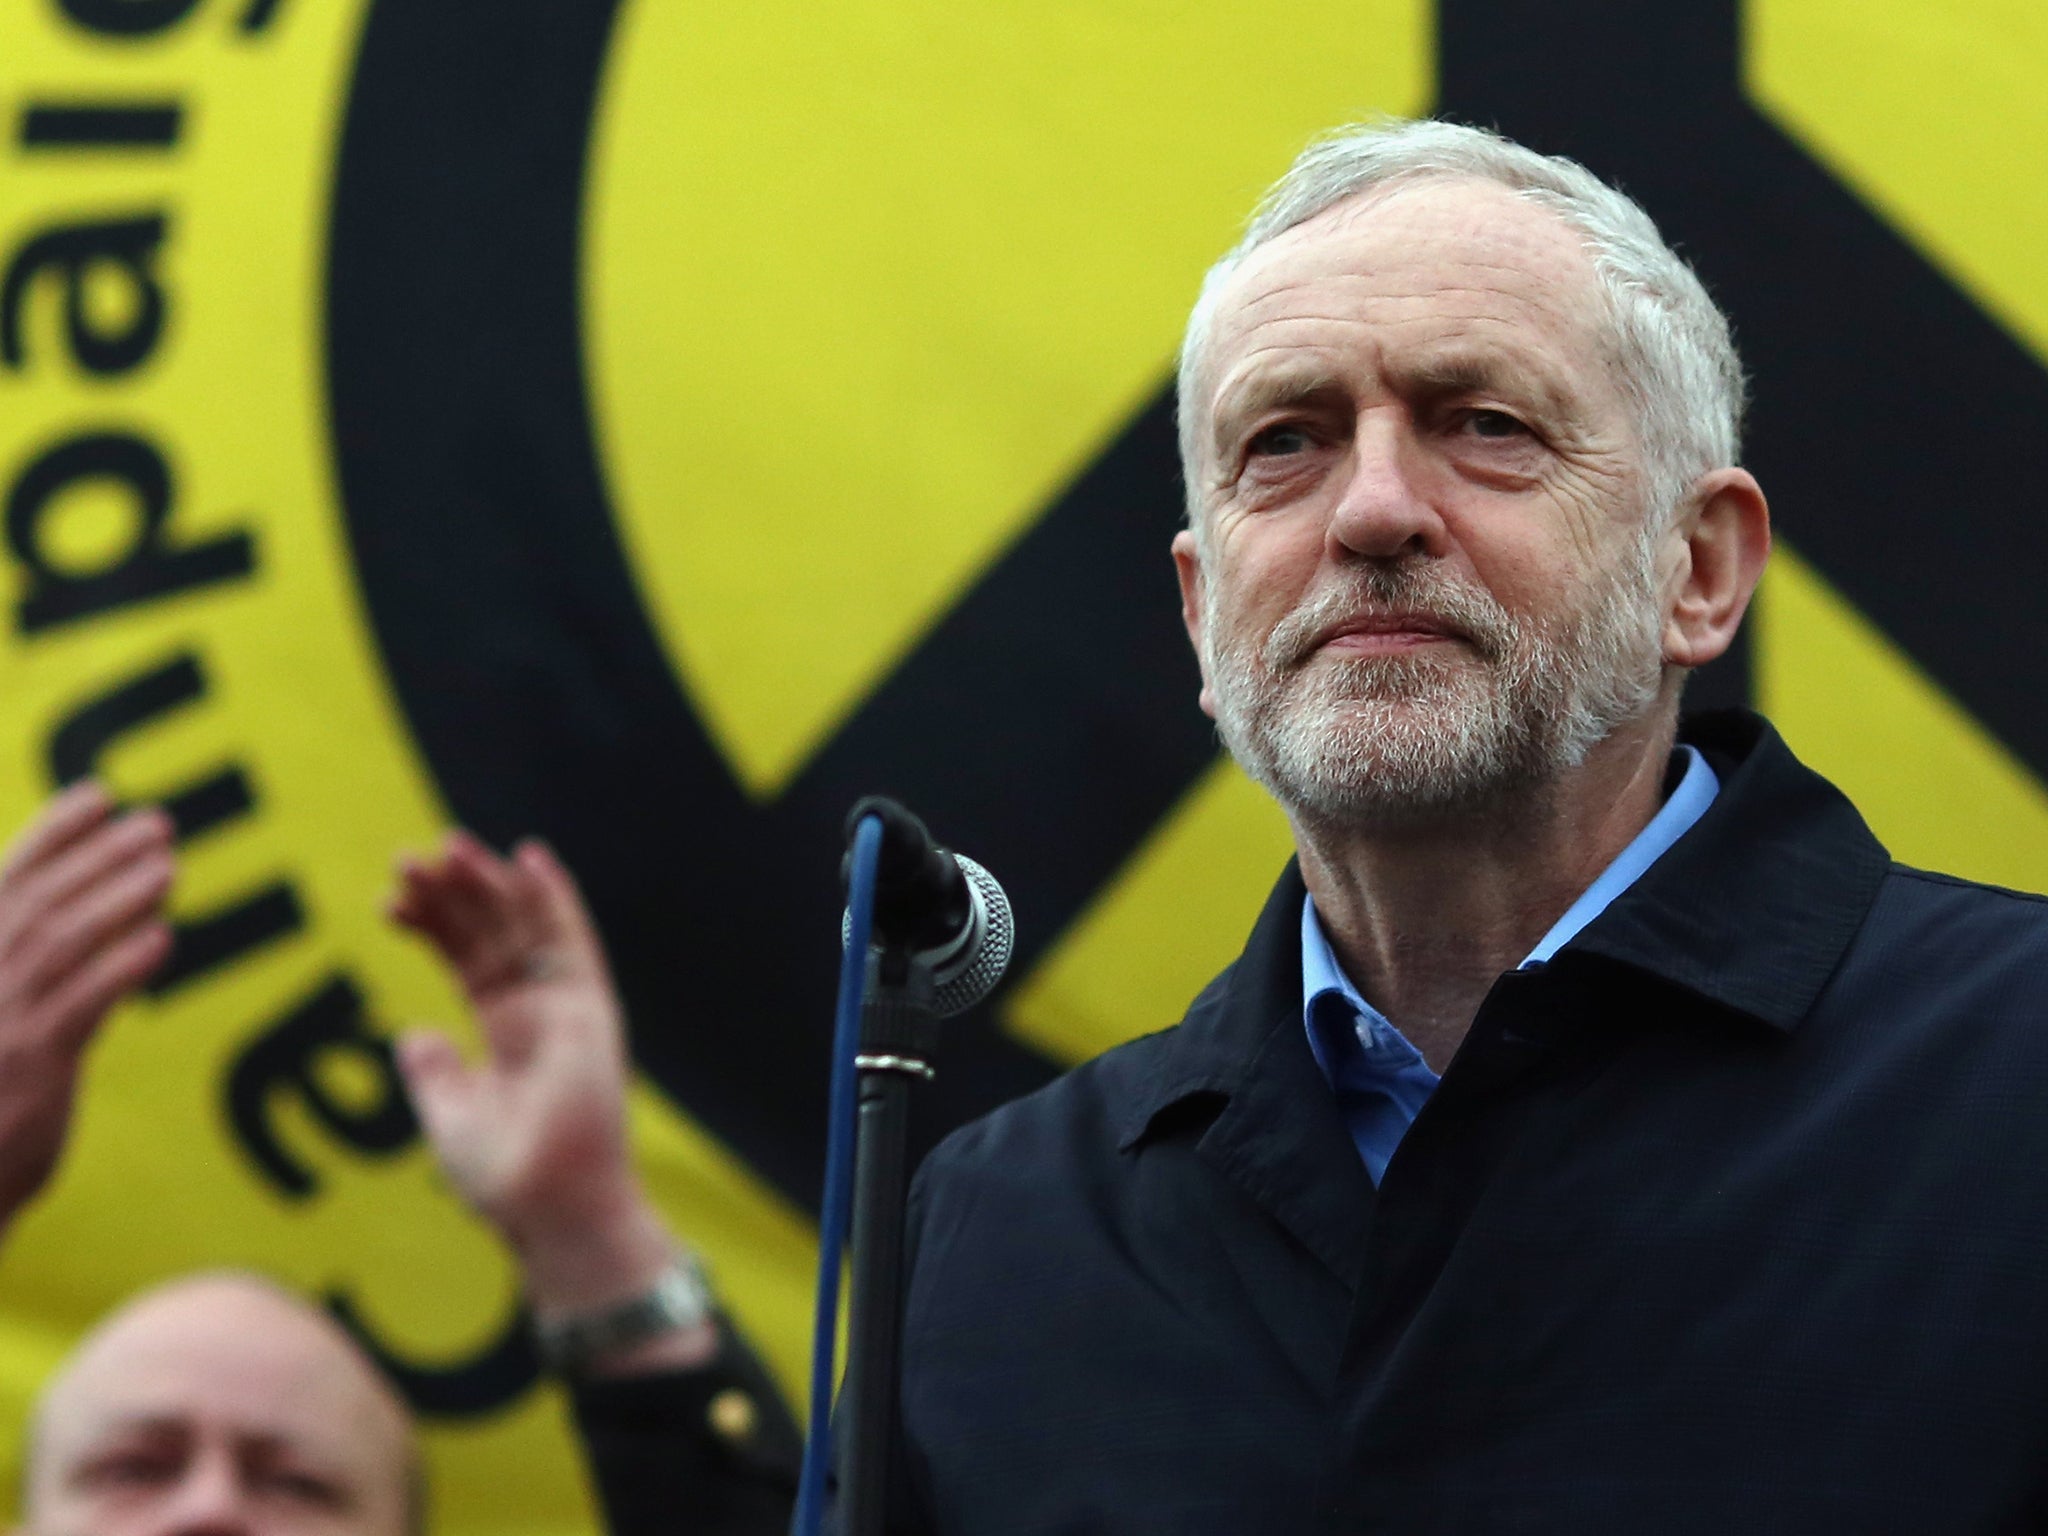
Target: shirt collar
1681,808
1322,976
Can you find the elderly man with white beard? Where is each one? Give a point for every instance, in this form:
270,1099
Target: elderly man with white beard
1598,1132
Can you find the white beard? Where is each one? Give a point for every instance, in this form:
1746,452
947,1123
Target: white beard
1392,741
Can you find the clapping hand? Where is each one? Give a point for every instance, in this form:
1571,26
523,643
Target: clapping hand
81,895
533,1137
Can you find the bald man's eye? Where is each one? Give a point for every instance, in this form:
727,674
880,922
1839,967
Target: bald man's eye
309,1488
129,1469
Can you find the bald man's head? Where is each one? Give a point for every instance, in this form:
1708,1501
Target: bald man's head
219,1404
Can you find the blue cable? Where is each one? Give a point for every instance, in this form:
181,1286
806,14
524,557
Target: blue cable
837,1212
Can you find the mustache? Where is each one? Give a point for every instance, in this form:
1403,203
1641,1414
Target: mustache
1391,592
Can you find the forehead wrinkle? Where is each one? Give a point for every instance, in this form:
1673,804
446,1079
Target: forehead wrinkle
1522,248
1500,214
1522,325
1364,299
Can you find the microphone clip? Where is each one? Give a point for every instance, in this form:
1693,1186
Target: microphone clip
899,1014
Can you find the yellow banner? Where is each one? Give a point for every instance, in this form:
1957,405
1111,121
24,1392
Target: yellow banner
330,521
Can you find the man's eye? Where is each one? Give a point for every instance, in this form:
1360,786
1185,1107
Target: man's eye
1277,442
1497,424
135,1469
304,1488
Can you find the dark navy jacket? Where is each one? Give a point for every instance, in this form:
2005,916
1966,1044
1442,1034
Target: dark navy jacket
1731,1219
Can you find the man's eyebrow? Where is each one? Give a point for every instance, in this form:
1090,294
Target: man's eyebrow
317,1459
171,1425
1488,373
1268,389
125,1428
144,1421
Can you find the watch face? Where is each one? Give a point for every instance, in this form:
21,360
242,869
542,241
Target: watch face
684,1296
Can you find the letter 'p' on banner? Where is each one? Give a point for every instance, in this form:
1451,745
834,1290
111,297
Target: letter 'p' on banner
652,426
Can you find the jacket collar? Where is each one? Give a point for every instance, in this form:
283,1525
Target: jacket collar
1754,907
1236,1018
1276,1133
1751,909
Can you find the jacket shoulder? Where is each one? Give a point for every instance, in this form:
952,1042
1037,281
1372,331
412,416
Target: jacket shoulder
1085,1115
1931,885
1084,1107
1963,918
1951,957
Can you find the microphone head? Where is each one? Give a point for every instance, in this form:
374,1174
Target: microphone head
967,969
964,979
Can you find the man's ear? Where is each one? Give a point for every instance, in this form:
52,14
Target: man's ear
1722,540
1187,564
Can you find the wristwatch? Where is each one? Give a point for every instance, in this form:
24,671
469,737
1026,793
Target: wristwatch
680,1298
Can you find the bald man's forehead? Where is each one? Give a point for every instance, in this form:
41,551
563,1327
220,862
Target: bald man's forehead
235,1358
297,1393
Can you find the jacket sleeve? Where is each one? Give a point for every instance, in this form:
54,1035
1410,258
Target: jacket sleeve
706,1452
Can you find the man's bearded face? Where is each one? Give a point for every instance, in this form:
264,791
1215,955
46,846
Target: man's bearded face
1386,741
1428,577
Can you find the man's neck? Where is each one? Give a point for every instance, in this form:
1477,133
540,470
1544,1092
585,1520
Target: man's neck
1424,919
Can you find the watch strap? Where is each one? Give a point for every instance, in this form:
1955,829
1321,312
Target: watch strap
680,1298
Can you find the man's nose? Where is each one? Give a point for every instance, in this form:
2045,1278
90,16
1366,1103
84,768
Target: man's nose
1384,510
211,1499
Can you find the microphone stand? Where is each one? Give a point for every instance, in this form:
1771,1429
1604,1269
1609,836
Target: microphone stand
899,1025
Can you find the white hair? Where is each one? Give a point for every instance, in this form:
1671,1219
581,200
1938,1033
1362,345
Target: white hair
1677,361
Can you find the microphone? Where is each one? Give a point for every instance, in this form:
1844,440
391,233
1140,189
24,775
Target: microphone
940,909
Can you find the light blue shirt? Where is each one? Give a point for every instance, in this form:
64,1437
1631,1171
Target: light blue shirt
1380,1080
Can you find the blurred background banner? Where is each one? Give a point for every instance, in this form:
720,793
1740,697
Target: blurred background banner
653,425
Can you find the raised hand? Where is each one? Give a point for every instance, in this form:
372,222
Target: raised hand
81,894
533,1137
